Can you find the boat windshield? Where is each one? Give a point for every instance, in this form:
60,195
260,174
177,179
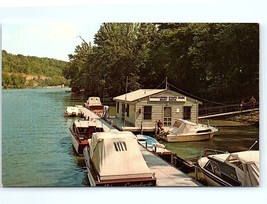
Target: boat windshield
177,124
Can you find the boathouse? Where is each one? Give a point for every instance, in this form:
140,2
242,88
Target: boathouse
144,107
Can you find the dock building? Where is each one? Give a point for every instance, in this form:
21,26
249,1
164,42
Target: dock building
141,109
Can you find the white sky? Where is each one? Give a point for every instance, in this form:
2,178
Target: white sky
53,40
50,28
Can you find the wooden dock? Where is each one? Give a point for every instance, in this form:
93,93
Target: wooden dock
166,174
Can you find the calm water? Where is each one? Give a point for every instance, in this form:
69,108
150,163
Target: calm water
36,144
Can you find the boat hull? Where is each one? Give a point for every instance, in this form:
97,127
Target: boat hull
213,180
78,145
186,138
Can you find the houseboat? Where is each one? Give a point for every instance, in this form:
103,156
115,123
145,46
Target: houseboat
230,169
115,159
81,131
186,131
94,104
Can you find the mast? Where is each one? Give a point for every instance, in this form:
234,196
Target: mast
126,87
166,83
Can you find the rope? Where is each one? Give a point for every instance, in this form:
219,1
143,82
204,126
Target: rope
201,99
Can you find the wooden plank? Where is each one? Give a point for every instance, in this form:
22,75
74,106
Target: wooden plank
166,174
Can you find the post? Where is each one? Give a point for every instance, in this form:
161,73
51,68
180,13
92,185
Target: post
141,127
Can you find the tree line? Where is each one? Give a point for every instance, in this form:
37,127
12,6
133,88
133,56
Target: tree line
213,61
19,71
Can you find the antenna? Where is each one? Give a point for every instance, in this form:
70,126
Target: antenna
126,86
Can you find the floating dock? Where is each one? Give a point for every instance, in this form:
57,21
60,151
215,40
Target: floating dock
166,174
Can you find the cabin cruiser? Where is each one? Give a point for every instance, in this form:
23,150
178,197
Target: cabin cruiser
230,169
94,104
115,159
185,131
81,131
72,111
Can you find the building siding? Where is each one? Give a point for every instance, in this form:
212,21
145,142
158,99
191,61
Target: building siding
136,117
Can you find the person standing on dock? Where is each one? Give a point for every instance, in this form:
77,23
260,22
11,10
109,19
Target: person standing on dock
252,102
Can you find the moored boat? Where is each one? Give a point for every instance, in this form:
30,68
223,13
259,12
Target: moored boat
72,111
230,169
94,104
115,159
81,131
185,131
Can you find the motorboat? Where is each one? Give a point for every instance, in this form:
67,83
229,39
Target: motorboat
115,159
185,131
72,111
94,104
151,144
81,131
230,169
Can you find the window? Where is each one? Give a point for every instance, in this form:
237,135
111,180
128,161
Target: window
187,112
147,112
120,146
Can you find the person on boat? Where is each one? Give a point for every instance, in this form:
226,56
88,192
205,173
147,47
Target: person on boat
160,126
252,102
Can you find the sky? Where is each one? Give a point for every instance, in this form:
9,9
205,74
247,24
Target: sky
51,30
53,40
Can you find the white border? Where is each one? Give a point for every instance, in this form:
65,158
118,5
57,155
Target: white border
145,11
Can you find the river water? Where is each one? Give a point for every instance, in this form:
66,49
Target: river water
36,144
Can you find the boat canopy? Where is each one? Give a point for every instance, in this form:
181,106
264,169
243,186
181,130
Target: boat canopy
248,165
94,101
85,124
71,109
183,127
116,155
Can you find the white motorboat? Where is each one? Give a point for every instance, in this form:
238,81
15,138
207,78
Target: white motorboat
72,111
230,169
151,144
81,131
94,104
185,131
115,159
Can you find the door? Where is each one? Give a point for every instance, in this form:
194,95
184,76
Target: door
187,112
167,117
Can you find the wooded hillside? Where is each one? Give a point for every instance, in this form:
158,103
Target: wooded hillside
20,71
214,61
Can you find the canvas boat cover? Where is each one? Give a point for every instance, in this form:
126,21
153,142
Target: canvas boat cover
116,155
186,127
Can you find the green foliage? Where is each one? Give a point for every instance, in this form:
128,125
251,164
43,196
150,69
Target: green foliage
213,61
16,68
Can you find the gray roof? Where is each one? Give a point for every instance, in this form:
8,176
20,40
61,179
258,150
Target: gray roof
138,94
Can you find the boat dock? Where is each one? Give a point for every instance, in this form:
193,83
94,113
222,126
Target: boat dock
166,174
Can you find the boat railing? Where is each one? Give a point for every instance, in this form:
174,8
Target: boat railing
207,152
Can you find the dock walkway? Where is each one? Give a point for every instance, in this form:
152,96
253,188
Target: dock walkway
166,174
